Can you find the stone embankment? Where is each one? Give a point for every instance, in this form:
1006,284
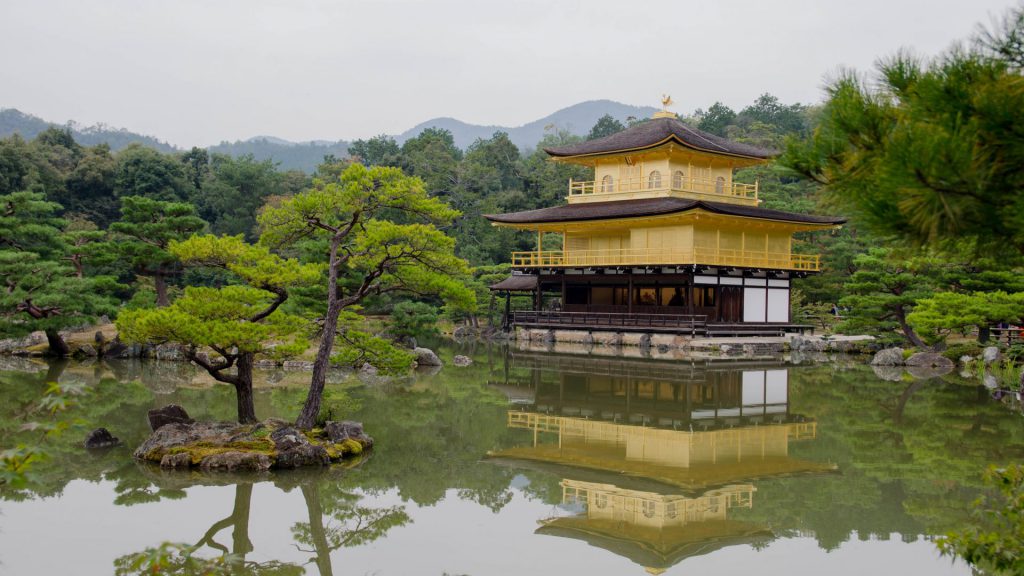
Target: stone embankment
102,341
685,347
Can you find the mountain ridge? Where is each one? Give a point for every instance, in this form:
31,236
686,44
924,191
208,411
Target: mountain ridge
577,119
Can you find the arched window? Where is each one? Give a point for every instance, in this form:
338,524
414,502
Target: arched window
720,185
607,184
654,180
677,180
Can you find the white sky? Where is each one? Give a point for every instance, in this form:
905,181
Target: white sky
195,72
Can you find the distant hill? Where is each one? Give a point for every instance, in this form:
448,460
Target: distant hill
305,156
13,121
577,119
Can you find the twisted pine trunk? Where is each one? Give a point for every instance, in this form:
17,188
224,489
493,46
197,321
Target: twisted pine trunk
243,389
311,408
58,347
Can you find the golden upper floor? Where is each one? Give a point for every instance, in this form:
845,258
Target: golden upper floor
665,232
662,157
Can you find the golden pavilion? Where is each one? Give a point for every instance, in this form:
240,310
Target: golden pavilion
663,239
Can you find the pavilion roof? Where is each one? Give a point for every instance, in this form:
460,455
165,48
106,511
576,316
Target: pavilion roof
650,207
656,132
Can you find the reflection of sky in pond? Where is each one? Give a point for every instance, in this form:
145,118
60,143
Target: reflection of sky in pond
453,536
874,468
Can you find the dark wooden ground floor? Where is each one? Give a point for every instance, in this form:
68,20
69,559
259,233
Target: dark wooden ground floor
717,297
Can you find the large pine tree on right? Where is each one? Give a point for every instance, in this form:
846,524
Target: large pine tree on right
930,150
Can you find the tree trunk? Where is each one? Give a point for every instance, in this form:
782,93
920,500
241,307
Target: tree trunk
160,282
240,542
56,368
984,334
901,317
311,408
243,389
311,494
58,347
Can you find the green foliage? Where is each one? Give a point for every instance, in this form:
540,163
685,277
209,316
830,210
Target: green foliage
238,322
433,157
355,347
927,150
173,558
380,231
338,404
143,234
716,119
16,462
244,318
142,171
218,318
995,544
947,313
234,190
42,290
819,314
377,151
883,291
413,320
606,126
955,351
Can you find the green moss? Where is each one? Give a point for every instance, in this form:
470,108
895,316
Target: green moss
350,446
200,450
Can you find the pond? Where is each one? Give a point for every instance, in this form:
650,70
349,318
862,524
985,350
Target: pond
527,462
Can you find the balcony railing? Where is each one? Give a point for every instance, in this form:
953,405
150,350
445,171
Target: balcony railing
710,188
652,257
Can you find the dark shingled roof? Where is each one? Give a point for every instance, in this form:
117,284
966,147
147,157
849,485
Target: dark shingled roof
517,283
650,207
655,132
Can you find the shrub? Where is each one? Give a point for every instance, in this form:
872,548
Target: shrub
413,320
955,351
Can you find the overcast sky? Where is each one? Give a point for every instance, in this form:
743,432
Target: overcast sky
195,72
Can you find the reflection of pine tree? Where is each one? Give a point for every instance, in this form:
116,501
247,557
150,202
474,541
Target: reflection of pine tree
352,525
173,559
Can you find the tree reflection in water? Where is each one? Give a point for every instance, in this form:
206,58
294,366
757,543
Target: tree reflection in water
335,519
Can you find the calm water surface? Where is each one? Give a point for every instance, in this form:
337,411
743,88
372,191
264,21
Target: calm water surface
528,463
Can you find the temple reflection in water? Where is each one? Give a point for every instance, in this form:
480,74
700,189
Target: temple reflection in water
655,457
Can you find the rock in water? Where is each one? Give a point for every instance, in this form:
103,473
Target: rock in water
426,357
170,414
101,438
294,449
888,357
338,432
929,359
462,360
236,461
179,434
179,460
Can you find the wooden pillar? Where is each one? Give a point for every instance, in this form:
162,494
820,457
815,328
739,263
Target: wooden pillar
689,295
505,322
537,299
629,294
